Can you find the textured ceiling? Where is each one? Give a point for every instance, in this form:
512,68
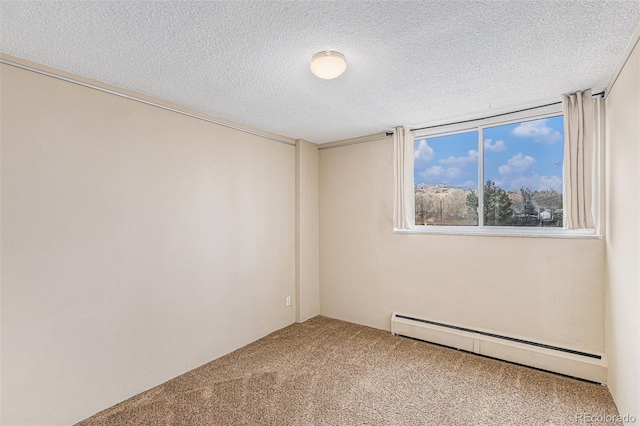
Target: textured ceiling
409,62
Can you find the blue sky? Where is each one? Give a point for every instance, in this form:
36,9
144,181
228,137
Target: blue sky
527,154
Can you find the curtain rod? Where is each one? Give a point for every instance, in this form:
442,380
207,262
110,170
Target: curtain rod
386,135
497,115
136,99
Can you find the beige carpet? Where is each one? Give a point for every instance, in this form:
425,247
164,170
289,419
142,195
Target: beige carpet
329,372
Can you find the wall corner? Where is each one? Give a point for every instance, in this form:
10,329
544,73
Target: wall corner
307,298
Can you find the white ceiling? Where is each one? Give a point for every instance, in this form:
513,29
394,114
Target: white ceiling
409,62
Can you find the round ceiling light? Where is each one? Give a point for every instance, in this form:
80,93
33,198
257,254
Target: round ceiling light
328,64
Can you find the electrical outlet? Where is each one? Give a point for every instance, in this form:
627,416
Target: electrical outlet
288,301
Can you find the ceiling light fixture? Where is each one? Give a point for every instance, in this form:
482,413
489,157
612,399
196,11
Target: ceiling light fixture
328,64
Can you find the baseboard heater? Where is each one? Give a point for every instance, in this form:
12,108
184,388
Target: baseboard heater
570,362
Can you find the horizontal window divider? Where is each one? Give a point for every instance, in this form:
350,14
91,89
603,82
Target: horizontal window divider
478,120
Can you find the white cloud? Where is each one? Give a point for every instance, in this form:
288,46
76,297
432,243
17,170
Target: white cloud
538,130
554,182
437,171
535,182
423,151
519,163
433,171
472,157
468,184
453,172
497,146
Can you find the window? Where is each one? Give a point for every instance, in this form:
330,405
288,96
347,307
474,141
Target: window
445,175
510,172
523,173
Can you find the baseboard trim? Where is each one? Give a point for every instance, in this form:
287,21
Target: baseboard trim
566,361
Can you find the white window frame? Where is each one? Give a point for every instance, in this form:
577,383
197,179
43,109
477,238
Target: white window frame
480,125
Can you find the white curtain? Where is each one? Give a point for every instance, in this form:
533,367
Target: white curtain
578,159
404,204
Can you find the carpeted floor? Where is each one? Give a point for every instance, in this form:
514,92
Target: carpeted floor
329,372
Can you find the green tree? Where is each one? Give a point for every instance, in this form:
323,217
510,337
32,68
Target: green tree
557,219
527,199
472,205
497,205
498,210
548,198
421,207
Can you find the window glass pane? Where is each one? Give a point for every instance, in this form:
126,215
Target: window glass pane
523,173
446,179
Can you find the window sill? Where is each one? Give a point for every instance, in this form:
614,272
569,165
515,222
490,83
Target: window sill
503,232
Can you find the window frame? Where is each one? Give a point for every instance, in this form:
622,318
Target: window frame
479,125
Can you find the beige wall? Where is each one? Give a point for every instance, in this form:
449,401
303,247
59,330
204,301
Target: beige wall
307,231
137,244
623,237
548,290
